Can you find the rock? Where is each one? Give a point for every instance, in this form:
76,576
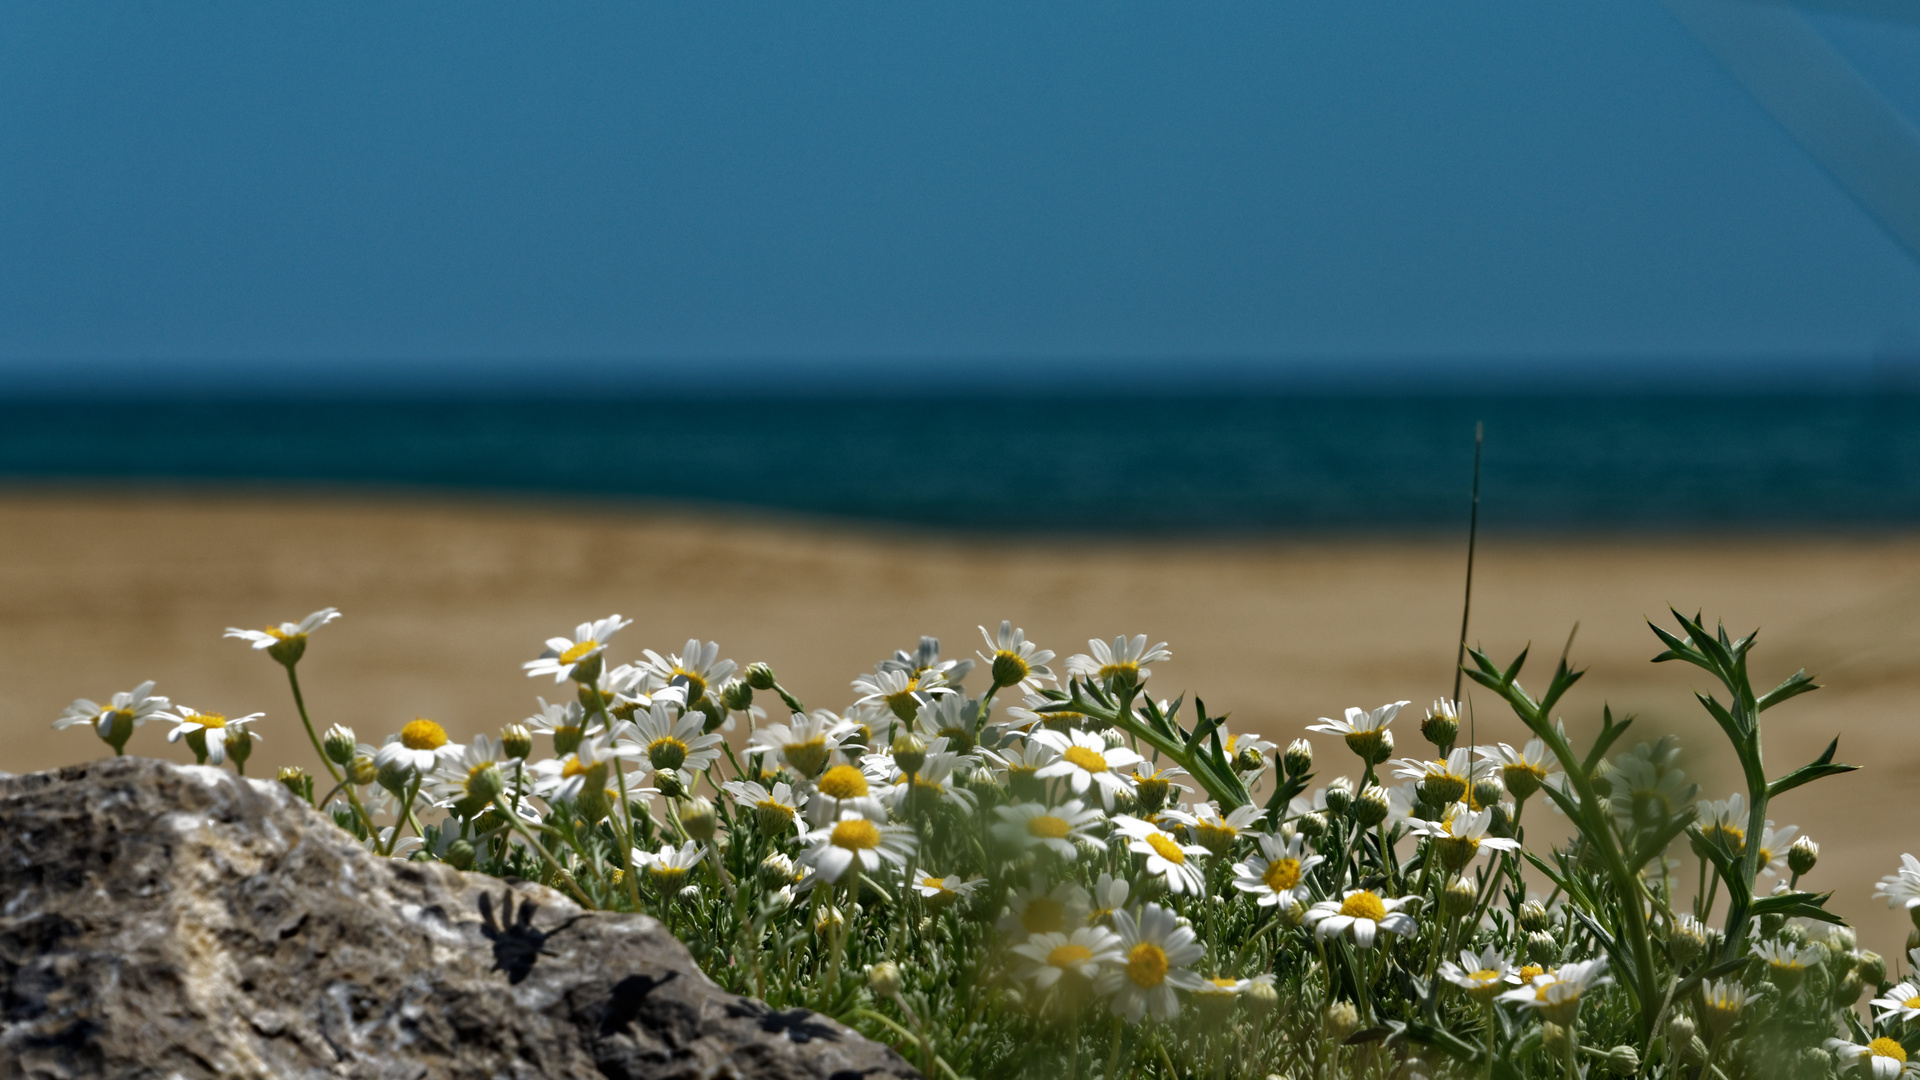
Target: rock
167,921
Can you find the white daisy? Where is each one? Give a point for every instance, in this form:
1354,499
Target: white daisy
1774,844
1725,821
1218,833
1364,730
1362,912
697,665
563,654
925,660
1556,994
1724,999
416,748
1109,895
938,892
1882,1059
1522,771
670,741
1901,1003
291,636
1019,766
128,709
774,808
1028,825
1279,873
562,779
1025,717
1154,786
902,692
463,771
953,717
1036,909
1086,760
565,722
857,841
1902,887
1085,952
937,780
1460,835
1015,660
214,728
669,867
1447,781
1482,976
1788,963
1166,857
847,787
1124,663
1157,958
804,744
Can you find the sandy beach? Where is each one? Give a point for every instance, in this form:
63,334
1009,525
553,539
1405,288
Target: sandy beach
443,599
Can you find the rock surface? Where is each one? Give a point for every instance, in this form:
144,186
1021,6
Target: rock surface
162,921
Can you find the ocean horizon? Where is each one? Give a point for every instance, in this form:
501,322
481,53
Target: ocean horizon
1200,463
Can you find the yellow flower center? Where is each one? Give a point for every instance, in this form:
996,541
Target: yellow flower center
1765,857
935,883
696,684
858,834
1888,1048
1224,984
1166,849
768,808
1068,955
276,633
1048,827
1083,758
1485,976
1363,905
1120,672
209,719
574,654
844,782
1281,875
1044,915
667,752
1147,965
1530,972
423,734
667,877
574,767
1912,1002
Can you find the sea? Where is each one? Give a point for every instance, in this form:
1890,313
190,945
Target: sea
1205,464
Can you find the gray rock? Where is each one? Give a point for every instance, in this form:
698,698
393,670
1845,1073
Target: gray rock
162,921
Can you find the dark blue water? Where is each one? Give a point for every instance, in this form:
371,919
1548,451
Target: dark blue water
1188,464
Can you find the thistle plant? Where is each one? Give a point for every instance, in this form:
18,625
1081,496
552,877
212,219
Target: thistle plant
1064,874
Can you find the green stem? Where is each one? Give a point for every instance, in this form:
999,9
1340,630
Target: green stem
300,702
553,864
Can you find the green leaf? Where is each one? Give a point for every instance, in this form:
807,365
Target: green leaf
1803,905
1808,773
1796,684
1513,669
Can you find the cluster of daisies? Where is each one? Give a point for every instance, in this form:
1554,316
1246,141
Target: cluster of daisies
1071,863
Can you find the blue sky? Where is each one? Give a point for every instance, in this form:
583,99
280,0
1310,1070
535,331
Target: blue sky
1256,183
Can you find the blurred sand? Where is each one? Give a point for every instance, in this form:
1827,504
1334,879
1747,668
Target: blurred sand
444,599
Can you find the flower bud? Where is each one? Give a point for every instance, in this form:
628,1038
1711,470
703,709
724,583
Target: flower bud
1542,949
339,744
776,870
1803,855
1694,1052
1502,823
736,696
1249,760
1872,968
361,770
1442,725
1842,939
883,979
295,779
459,855
1340,795
565,740
1261,997
485,783
1553,1038
1298,760
1847,990
239,746
1680,1030
1686,940
395,775
698,818
829,919
715,714
1623,1060
593,805
1602,778
688,894
1459,898
670,784
1372,807
1342,1018
1488,791
1385,749
1534,917
760,677
909,752
1312,826
516,741
1793,934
